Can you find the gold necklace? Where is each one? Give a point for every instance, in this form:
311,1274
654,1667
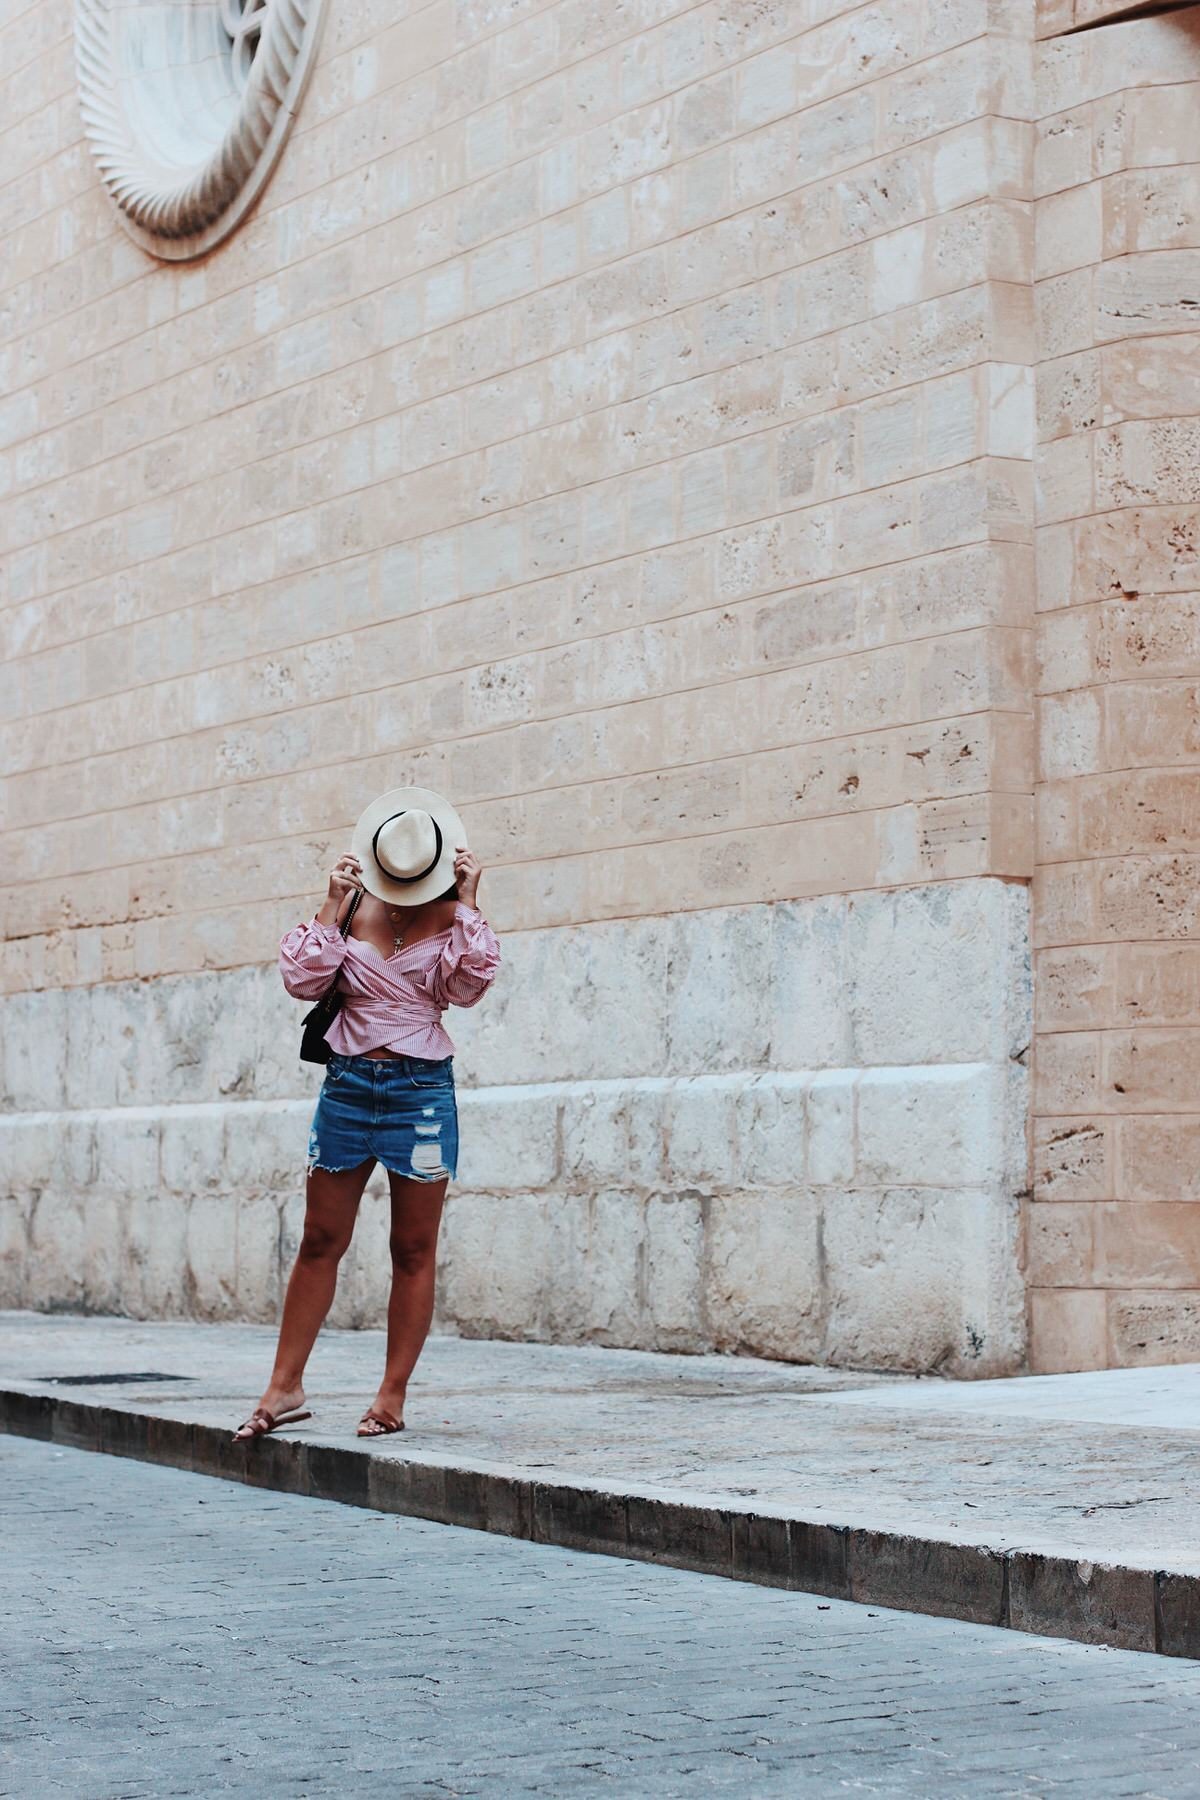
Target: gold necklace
397,936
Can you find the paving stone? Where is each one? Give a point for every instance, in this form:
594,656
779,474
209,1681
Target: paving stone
232,1640
1059,1505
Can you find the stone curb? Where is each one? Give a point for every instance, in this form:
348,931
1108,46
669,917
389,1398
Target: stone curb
1050,1596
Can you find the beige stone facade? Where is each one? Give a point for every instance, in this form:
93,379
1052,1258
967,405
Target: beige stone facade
623,417
1114,1248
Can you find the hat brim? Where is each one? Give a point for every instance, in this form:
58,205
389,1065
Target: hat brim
376,880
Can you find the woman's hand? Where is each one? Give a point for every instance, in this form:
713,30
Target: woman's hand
345,880
467,870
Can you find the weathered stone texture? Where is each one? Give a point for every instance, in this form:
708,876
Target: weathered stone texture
726,1202
621,418
1112,1237
587,412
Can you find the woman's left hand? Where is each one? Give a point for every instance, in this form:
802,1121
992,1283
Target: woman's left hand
467,870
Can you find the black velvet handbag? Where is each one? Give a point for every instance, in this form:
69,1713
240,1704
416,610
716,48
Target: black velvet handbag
316,1023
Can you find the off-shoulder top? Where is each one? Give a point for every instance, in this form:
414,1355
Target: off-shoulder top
393,1002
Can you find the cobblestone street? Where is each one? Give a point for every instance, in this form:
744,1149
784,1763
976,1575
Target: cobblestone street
168,1634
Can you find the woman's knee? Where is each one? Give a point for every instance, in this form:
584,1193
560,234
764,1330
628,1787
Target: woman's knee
411,1255
323,1242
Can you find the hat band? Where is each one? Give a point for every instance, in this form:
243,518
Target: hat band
421,873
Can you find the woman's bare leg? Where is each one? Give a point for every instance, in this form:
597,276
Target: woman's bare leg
331,1207
416,1217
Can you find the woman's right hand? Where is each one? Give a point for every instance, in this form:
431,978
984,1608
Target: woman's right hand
345,880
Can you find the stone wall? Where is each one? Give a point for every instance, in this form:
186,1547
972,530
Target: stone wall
618,416
1114,1240
782,1183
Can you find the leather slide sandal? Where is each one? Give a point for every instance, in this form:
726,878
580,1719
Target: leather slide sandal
384,1421
261,1421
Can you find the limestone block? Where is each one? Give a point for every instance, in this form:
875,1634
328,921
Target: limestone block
257,1272
764,1291
894,1262
564,1297
493,1264
993,1289
831,1130
1069,735
1067,1072
30,1151
127,1151
269,1066
115,1060
1145,1245
718,970
1069,231
1149,636
265,1146
1149,1328
14,1251
291,1229
593,1258
1064,903
508,1138
1148,897
193,1149
1065,313
364,1278
1157,1158
1059,1245
103,1270
211,1256
645,1103
1068,395
156,1280
1067,1331
33,1035
809,1018
586,976
1151,1069
930,1123
96,1048
1073,1157
79,1150
595,1133
772,1130
1075,987
236,1057
1145,293
700,1130
672,1272
57,1254
927,982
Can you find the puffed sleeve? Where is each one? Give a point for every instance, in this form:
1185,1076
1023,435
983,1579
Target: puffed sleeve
309,958
467,966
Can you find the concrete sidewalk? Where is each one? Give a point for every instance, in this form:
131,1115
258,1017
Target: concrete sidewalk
1065,1505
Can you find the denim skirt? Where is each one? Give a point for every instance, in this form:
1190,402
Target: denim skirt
397,1110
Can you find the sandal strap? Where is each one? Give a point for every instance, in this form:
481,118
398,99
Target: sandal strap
381,1419
261,1421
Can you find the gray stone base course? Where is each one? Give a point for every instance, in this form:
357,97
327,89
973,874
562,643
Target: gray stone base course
862,1218
1128,1608
794,1130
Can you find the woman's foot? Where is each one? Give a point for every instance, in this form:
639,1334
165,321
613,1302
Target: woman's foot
276,1402
384,1415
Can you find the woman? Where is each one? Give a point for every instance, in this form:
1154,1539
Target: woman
416,944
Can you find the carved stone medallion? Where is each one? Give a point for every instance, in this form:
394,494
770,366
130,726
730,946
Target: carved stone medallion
186,105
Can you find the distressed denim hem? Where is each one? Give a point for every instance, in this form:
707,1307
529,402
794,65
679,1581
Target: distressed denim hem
414,1175
404,1174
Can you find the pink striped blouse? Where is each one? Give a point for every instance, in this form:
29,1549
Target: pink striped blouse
393,1002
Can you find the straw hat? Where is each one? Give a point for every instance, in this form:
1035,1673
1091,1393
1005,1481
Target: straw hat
406,842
